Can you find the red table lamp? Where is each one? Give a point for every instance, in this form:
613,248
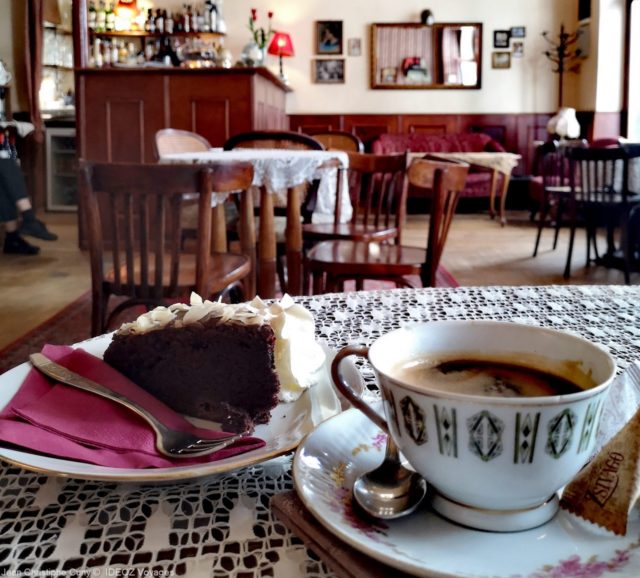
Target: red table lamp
281,46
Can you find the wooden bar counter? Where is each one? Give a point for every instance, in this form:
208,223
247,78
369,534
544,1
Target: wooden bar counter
119,110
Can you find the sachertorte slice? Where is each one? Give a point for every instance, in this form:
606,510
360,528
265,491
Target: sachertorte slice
217,361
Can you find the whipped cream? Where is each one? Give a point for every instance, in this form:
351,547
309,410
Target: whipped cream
298,357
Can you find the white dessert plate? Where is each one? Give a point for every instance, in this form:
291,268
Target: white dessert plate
289,423
328,461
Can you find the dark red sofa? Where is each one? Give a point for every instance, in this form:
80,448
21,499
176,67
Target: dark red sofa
479,179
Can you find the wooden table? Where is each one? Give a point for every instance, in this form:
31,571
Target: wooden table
500,164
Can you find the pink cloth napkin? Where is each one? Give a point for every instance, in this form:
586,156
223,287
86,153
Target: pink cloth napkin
70,423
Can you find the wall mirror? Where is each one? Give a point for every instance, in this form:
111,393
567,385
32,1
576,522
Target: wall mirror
416,56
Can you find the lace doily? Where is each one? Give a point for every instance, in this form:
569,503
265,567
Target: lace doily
222,525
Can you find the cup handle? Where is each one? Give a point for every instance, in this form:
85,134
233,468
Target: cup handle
346,390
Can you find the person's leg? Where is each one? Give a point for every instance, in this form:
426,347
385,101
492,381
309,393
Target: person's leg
30,225
13,190
14,244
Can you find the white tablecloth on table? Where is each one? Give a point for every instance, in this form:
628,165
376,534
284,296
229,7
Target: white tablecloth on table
222,525
279,169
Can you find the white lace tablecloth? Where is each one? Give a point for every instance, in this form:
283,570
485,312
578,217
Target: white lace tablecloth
222,525
279,169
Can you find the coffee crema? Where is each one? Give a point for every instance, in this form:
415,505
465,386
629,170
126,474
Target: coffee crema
492,378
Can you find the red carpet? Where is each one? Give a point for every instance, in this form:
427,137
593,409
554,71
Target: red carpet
73,324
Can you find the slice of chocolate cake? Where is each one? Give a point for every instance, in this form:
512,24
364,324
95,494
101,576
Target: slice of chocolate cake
217,361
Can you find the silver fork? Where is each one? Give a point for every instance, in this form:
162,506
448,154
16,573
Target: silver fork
170,442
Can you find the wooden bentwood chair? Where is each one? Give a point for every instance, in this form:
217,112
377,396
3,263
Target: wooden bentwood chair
339,140
133,222
552,168
378,193
600,196
333,262
172,140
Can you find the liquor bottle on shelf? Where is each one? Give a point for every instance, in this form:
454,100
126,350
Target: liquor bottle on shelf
91,16
186,19
101,17
159,21
150,24
168,23
110,18
213,16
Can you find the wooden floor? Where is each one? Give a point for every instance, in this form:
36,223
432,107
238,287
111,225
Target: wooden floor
479,252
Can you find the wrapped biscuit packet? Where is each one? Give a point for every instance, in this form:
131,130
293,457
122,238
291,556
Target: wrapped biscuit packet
607,489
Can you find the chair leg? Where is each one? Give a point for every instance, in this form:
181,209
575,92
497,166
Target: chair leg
317,285
544,211
99,303
572,235
558,223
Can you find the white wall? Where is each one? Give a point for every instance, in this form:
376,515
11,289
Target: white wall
528,86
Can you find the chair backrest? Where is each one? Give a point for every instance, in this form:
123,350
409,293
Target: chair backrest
171,140
599,175
552,162
133,216
446,180
339,140
378,189
272,139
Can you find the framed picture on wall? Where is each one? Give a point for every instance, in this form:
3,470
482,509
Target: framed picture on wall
354,46
328,71
501,60
517,49
518,32
329,37
501,38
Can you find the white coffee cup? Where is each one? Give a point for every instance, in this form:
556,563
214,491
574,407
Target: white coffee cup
495,463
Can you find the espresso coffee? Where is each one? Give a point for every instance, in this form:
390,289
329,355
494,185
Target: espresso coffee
483,377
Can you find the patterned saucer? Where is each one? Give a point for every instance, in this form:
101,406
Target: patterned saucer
340,449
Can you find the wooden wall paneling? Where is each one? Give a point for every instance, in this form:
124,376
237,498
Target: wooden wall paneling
125,132
503,128
370,127
212,107
429,124
270,103
211,118
310,123
119,115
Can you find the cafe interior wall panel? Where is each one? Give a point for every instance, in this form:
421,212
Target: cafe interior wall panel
118,116
214,107
211,118
312,123
125,133
269,101
370,127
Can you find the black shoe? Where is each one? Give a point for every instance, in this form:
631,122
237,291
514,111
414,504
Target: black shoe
38,229
16,245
